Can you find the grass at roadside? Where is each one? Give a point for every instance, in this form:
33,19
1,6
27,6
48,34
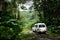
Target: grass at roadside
27,35
53,31
49,33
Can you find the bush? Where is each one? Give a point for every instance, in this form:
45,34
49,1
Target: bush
9,29
54,29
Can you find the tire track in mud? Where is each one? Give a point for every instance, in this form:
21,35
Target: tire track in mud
40,36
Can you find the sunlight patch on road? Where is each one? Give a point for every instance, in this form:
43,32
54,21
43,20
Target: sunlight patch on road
26,31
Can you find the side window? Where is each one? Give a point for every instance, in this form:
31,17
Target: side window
36,25
43,25
39,25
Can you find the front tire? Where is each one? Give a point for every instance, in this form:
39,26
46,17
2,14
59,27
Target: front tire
44,32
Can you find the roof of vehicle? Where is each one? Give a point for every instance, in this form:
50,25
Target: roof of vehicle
40,24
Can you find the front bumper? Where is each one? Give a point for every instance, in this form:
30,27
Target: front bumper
41,30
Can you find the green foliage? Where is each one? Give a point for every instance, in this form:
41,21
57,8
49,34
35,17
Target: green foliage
51,13
22,1
9,28
27,37
28,19
9,24
9,33
54,29
50,9
23,7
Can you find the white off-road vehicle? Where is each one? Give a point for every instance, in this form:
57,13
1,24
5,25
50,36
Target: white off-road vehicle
39,27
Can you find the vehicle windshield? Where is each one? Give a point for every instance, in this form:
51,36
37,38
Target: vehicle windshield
41,25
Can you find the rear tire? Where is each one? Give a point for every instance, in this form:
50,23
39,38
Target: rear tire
33,31
44,32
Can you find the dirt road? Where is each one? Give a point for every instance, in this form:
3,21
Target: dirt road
44,37
38,36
